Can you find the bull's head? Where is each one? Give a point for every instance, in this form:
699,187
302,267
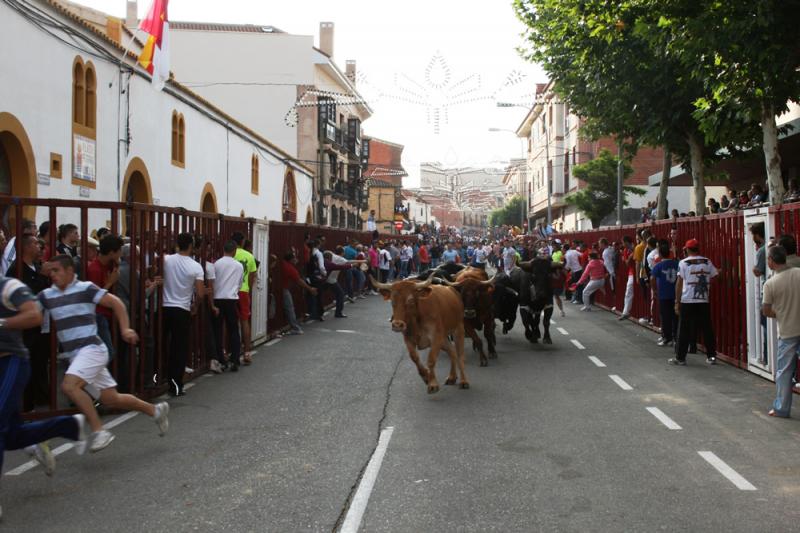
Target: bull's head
404,295
471,290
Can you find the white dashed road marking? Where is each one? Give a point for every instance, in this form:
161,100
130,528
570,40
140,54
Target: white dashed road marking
663,418
562,331
597,361
723,468
578,344
345,331
352,521
621,382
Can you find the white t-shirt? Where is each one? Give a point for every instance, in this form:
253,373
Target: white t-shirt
227,274
384,259
180,273
696,272
9,254
651,258
608,259
509,258
480,255
572,260
333,276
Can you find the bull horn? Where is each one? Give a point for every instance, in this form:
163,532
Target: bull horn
489,282
454,284
380,286
423,284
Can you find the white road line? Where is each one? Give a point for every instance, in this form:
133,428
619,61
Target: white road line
274,341
21,469
621,382
663,418
352,521
723,468
562,331
578,344
345,331
597,361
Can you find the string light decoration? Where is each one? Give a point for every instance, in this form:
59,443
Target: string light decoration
316,98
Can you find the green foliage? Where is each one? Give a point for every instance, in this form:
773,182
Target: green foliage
511,214
599,198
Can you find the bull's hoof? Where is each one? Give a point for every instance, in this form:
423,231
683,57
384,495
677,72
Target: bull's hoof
484,362
450,381
547,340
464,385
529,335
505,329
433,389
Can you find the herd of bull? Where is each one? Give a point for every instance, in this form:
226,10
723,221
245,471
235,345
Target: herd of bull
436,309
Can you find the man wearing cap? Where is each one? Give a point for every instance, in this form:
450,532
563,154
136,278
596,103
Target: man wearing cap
695,273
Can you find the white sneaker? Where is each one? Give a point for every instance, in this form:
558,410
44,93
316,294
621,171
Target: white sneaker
586,308
83,434
44,456
100,440
215,366
189,370
643,321
161,417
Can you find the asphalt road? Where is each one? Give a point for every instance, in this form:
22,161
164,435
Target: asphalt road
544,440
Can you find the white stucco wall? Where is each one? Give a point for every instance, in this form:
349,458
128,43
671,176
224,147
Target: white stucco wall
37,90
256,68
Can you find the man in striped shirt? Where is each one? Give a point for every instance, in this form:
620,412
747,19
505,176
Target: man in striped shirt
71,306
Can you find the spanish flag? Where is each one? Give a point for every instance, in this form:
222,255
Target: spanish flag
155,54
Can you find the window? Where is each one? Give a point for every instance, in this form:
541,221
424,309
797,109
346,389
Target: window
55,165
254,174
84,122
178,140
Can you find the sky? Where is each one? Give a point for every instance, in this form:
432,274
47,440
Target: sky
416,59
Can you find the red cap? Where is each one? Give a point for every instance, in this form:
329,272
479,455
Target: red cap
692,244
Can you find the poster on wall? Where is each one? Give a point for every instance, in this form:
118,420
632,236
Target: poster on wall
83,158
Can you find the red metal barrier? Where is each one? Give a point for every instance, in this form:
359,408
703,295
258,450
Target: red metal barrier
283,237
722,240
153,229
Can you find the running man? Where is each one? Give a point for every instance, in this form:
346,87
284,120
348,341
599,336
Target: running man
71,305
18,312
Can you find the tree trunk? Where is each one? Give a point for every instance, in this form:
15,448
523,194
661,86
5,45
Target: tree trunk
698,173
771,155
663,190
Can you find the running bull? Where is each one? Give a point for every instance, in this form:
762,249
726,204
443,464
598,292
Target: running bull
530,287
428,316
476,294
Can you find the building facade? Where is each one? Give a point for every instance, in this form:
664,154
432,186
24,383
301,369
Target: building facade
293,92
79,119
555,147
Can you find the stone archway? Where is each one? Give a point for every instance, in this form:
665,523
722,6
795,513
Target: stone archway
17,163
208,199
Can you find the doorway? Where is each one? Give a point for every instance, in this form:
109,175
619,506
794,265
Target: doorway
762,335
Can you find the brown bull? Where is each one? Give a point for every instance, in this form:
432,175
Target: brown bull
476,294
427,315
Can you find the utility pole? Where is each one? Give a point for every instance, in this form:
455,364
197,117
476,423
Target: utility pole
620,177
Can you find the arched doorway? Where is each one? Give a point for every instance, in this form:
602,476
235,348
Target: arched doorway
136,189
208,199
289,198
17,165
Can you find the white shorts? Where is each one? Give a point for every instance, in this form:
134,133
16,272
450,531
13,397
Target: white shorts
89,364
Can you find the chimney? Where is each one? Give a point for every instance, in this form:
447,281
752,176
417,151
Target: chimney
326,37
350,71
132,17
114,29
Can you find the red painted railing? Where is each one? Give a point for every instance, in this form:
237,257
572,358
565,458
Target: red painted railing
721,240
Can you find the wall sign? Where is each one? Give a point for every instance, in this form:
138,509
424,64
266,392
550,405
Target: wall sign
83,192
43,179
83,158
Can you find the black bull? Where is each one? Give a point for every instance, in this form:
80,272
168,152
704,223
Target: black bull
528,287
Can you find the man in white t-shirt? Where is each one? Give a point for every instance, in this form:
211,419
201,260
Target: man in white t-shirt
227,274
572,263
183,277
695,273
509,257
384,262
608,261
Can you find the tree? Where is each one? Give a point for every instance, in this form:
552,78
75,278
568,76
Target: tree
607,66
746,53
511,214
599,198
